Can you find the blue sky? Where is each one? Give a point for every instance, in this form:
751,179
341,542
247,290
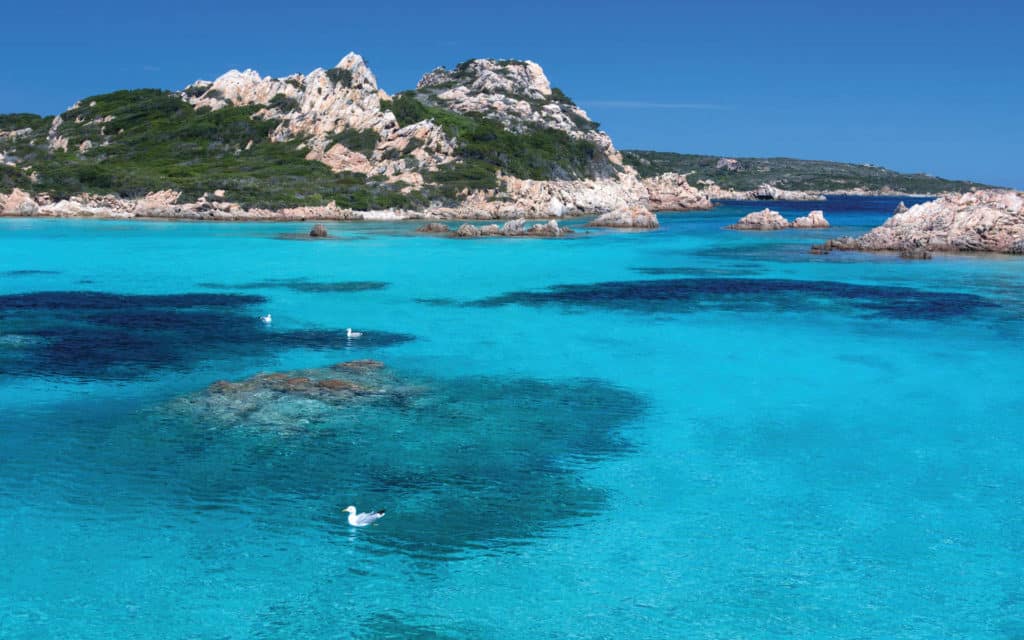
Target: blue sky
916,86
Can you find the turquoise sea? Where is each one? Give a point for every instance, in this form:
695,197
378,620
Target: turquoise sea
687,433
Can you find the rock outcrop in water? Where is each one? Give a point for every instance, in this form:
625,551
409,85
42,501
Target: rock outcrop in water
989,220
511,229
764,220
318,231
813,220
626,218
769,220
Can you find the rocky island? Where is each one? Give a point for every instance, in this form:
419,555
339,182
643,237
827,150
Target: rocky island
489,139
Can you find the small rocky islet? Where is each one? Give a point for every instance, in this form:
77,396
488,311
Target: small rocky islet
770,220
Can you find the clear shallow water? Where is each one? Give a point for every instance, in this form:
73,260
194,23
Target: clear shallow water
733,438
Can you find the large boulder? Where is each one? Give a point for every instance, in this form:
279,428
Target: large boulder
434,227
467,231
515,227
550,229
764,220
627,217
813,220
20,203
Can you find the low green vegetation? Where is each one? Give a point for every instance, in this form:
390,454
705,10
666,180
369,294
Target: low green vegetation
283,103
341,77
486,147
157,141
16,121
789,173
363,141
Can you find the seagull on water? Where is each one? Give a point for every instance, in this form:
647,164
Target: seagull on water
353,334
266,319
362,519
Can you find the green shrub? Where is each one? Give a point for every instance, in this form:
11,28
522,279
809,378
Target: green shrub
558,95
15,121
363,141
166,143
339,76
194,91
283,103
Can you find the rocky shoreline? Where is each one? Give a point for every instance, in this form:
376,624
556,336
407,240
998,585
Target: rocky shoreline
621,202
989,220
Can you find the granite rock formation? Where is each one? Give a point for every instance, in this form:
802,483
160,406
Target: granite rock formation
988,220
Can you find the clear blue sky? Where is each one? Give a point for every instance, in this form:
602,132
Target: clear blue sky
933,86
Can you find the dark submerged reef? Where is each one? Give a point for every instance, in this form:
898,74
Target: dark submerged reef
459,464
85,334
687,295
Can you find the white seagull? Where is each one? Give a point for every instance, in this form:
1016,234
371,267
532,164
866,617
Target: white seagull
362,519
266,319
353,334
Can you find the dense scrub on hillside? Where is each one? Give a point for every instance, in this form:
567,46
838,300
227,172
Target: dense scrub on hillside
744,174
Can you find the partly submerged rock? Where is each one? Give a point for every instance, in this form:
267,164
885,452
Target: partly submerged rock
813,220
987,220
514,227
318,231
434,227
467,231
915,253
548,230
764,220
627,217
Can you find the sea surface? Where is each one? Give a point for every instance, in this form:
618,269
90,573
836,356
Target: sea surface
686,433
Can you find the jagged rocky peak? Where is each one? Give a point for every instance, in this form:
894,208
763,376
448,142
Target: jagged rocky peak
483,75
321,103
516,93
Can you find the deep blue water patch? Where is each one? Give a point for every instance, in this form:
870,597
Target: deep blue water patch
686,295
303,285
86,334
29,272
501,458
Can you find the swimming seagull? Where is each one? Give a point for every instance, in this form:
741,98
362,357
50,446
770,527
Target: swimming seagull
353,334
266,319
362,519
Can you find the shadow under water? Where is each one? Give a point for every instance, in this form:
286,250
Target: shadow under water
302,285
86,334
460,464
687,295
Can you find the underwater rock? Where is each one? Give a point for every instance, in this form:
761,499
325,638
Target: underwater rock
433,227
360,365
476,446
915,253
